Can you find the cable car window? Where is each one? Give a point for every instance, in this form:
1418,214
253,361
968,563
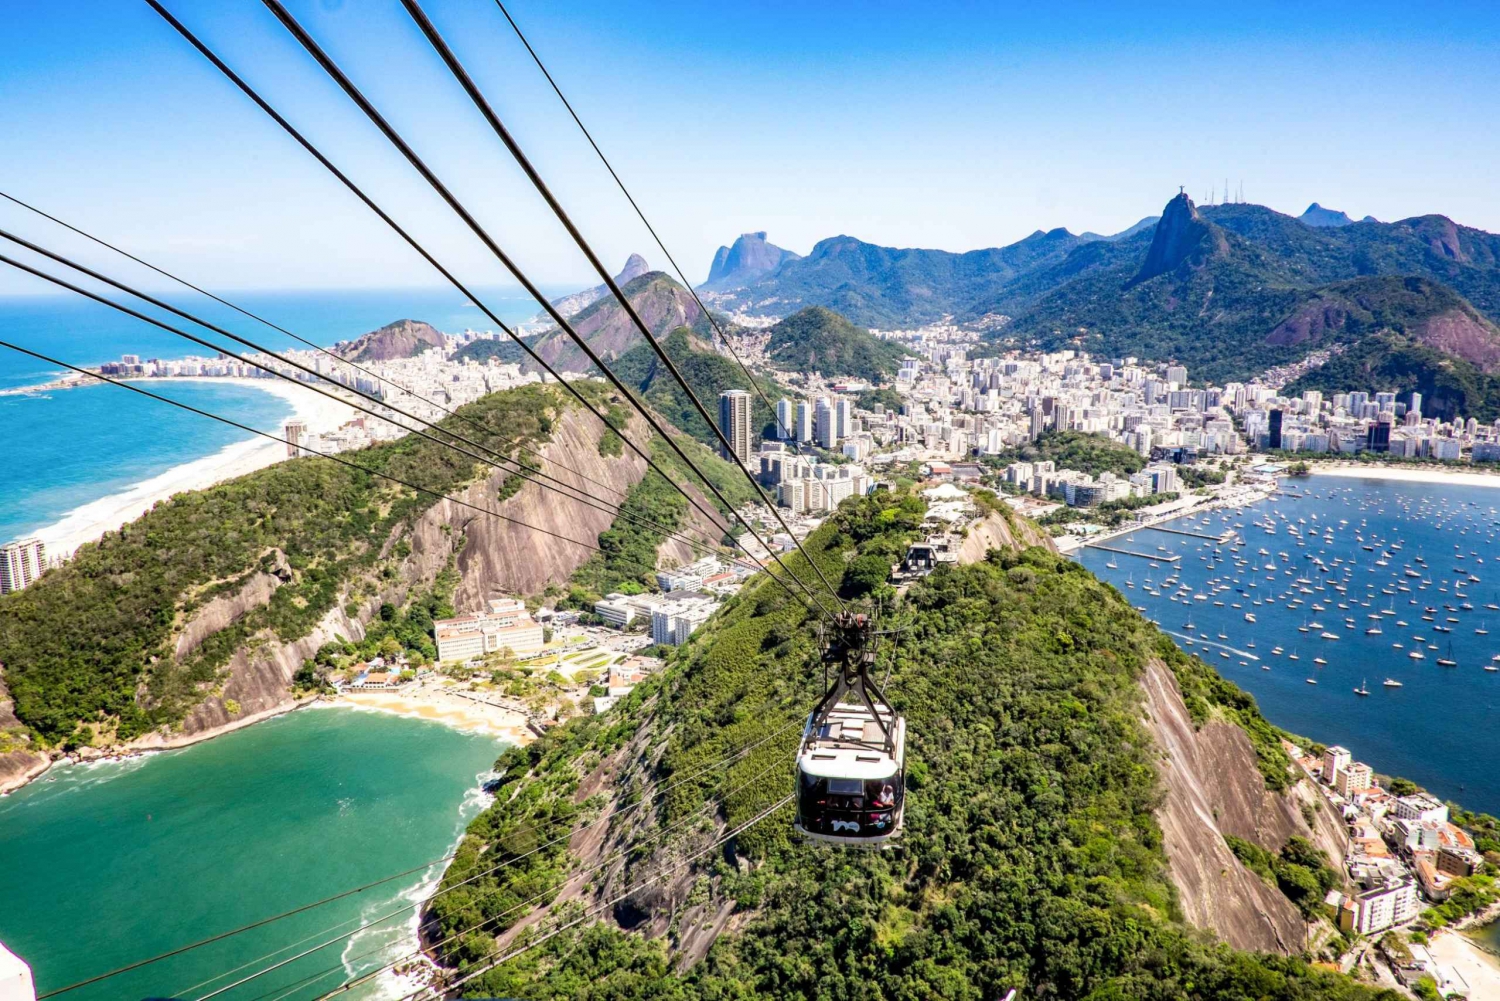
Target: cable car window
846,787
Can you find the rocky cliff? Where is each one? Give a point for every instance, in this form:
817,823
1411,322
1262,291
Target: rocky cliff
661,303
1212,788
997,531
402,339
571,305
750,258
1182,237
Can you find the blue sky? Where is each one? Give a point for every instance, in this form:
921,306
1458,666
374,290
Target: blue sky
939,124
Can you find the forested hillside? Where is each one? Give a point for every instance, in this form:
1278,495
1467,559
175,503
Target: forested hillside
1228,290
708,372
1031,856
92,642
819,340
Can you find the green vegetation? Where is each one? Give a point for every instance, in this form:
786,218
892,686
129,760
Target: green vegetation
629,549
820,340
1450,386
1467,895
884,396
1086,453
1299,870
1193,476
1259,289
1110,514
705,370
1031,857
502,349
79,644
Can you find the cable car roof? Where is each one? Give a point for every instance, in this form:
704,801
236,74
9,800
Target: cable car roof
847,745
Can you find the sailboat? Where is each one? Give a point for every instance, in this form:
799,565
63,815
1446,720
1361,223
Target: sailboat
1361,690
1446,660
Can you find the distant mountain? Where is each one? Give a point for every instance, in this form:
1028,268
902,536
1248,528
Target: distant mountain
571,305
1181,239
820,340
662,303
750,258
1317,215
1124,234
1230,290
402,339
887,287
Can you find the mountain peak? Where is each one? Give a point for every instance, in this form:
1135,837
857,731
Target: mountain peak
1317,215
750,258
635,266
1182,235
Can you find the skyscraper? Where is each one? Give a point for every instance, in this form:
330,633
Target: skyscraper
1416,405
734,421
1038,421
804,427
1275,436
843,413
21,562
786,419
825,426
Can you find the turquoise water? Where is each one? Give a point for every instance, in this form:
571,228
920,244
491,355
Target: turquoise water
74,446
102,865
1439,727
69,448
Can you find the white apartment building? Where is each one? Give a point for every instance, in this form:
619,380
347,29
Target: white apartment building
1421,807
21,562
1382,907
734,422
1335,760
674,621
1355,777
506,626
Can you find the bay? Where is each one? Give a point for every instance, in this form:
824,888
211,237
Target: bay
105,864
1437,728
64,449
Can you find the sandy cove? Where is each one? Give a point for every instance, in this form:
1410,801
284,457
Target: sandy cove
1479,968
441,703
90,521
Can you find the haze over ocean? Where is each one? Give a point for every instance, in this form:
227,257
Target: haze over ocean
68,448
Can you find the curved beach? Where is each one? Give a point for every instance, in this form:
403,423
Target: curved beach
88,522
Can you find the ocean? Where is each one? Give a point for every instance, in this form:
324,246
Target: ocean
105,864
65,449
1437,728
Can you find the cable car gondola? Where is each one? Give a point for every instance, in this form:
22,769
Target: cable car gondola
851,767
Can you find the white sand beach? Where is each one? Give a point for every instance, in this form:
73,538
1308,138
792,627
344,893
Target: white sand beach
438,701
89,522
1463,476
1480,969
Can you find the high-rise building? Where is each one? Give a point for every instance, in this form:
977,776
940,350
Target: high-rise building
1275,429
21,562
1177,374
1416,405
825,424
734,422
786,418
804,427
843,413
294,431
1038,422
1378,438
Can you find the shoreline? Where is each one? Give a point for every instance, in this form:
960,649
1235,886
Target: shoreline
88,522
434,704
1464,475
152,743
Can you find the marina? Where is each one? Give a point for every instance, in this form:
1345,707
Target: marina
1388,581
